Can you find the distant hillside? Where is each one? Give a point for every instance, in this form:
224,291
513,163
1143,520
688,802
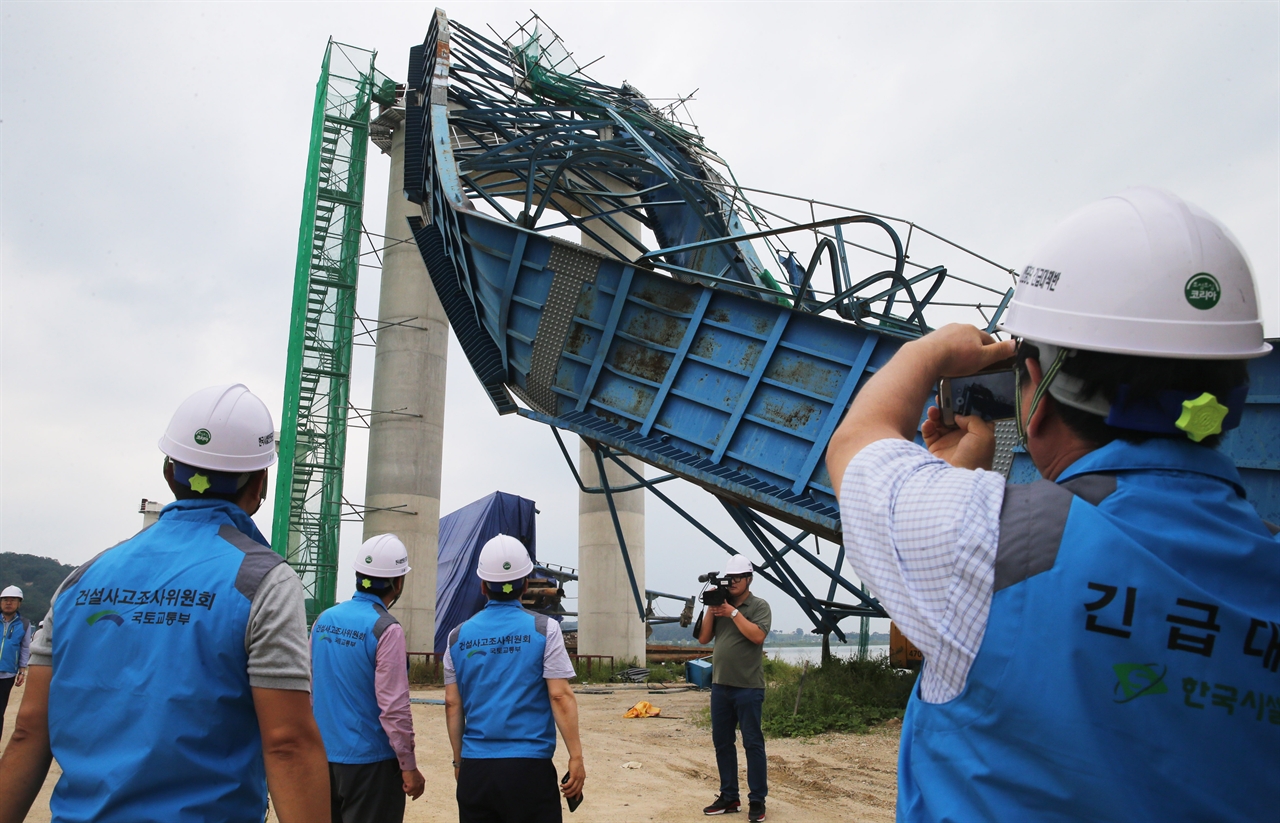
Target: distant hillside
671,633
38,577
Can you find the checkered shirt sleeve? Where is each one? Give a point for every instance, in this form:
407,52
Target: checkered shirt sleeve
922,536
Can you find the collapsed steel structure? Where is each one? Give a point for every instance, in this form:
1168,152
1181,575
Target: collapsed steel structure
676,339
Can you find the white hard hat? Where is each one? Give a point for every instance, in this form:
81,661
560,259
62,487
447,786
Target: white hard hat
737,565
503,559
12,591
382,556
1140,273
221,428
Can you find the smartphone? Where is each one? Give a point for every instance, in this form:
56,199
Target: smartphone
576,800
988,395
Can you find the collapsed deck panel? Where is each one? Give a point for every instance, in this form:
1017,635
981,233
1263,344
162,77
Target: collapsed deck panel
736,394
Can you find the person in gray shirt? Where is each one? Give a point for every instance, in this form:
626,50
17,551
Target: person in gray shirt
178,682
739,626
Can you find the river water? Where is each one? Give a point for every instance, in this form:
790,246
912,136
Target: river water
813,654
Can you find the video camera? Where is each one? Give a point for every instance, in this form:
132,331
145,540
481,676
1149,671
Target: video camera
717,591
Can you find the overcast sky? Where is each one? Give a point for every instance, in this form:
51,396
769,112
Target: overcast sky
152,160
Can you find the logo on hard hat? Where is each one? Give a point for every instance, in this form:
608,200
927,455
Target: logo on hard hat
1203,291
506,566
202,437
368,558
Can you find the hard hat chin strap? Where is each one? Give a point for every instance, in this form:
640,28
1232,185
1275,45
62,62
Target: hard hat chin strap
1045,381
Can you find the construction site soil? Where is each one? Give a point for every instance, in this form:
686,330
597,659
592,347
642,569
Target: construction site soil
662,768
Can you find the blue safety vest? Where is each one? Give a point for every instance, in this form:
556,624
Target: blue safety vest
497,658
11,636
344,657
1129,667
151,716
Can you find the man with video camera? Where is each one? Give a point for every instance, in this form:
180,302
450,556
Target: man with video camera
739,621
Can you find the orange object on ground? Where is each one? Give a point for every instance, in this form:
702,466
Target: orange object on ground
643,709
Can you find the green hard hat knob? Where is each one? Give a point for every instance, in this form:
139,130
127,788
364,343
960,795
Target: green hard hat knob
1202,417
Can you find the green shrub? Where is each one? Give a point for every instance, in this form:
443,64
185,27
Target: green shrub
838,696
666,672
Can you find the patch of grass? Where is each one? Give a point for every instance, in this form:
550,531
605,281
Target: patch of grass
421,674
599,671
839,696
666,672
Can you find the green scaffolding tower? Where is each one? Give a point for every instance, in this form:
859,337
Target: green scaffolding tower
313,427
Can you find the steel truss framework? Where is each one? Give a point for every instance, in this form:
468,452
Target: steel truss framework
513,128
546,147
766,538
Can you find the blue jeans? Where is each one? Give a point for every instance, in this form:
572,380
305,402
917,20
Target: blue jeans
732,707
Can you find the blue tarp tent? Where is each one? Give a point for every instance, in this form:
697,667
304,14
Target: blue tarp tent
462,534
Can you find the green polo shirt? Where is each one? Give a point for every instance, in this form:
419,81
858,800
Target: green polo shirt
737,661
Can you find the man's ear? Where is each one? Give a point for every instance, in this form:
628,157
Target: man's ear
254,492
168,477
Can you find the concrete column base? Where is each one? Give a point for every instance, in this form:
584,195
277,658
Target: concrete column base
608,620
406,435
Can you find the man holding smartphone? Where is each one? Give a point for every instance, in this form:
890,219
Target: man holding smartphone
1080,630
506,690
739,626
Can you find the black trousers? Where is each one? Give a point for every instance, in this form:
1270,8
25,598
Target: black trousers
6,686
366,792
508,790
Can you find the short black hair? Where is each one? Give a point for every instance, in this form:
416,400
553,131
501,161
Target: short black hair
1146,377
496,593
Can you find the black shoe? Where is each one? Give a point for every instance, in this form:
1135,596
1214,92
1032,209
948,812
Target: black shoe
755,811
723,806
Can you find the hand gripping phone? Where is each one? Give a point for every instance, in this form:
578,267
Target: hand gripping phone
986,394
576,800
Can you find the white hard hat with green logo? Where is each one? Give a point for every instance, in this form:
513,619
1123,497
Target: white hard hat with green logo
503,559
1142,273
384,555
222,429
1139,273
12,591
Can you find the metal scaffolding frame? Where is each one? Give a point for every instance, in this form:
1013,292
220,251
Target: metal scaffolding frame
313,427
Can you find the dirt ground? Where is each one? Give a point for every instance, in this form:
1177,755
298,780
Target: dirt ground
830,777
